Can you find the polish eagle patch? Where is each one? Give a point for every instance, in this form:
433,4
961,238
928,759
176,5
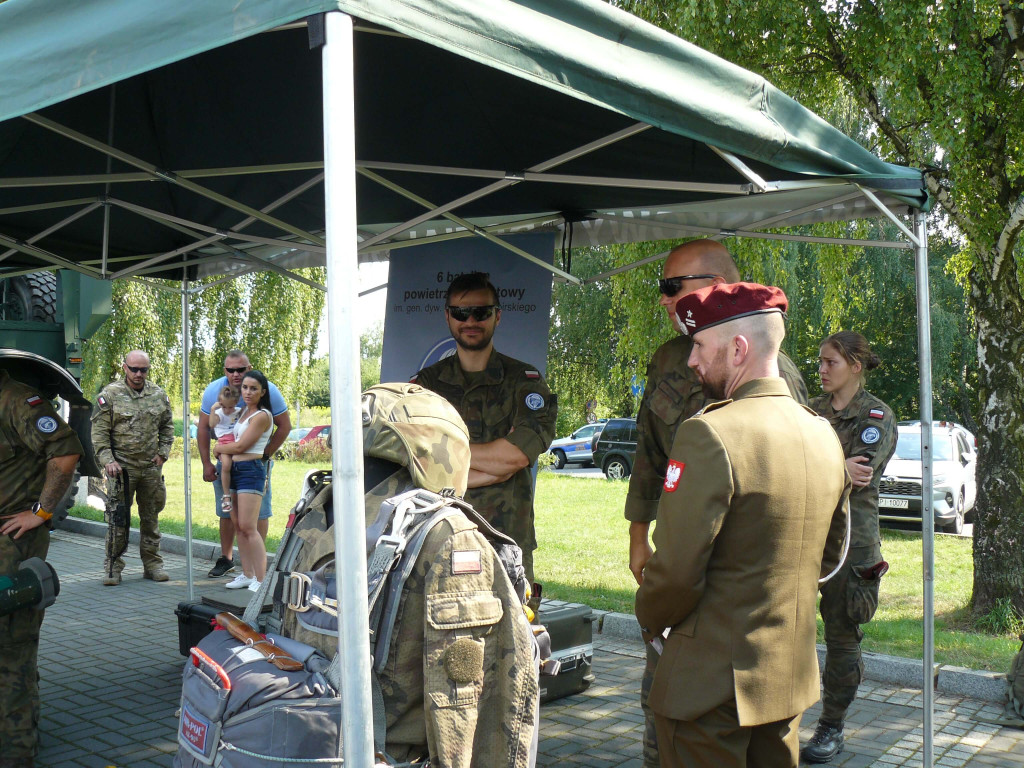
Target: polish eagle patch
673,472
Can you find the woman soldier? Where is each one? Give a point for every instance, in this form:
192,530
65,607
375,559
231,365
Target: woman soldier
867,431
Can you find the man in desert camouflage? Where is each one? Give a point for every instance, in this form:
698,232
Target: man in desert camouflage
132,432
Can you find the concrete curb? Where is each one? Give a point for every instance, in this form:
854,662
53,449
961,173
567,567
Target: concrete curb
907,673
956,681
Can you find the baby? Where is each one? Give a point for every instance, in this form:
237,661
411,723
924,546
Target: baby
222,421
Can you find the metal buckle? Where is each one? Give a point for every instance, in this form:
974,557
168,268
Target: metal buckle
298,586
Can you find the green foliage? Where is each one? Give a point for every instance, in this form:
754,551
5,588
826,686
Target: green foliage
272,318
1003,619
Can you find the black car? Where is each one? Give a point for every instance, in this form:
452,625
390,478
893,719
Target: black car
615,448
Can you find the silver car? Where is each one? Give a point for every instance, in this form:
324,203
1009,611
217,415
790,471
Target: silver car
954,463
577,448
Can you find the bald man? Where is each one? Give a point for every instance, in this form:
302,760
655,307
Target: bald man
672,394
132,432
752,514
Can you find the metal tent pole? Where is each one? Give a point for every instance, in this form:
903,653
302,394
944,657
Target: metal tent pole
186,424
924,345
346,413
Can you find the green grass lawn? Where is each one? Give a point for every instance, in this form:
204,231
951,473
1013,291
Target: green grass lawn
583,557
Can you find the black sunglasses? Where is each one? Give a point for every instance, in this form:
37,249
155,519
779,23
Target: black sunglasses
670,286
235,370
479,313
139,369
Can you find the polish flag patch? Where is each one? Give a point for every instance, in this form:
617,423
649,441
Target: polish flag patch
466,561
876,413
533,374
672,475
413,379
34,400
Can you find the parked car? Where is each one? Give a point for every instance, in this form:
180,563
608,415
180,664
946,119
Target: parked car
577,448
320,432
954,464
615,448
297,434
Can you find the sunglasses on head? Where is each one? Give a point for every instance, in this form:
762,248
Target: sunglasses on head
243,369
670,286
137,369
479,313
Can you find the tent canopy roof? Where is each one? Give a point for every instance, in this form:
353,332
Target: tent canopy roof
561,110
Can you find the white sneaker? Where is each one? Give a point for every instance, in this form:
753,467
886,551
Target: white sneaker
241,581
254,586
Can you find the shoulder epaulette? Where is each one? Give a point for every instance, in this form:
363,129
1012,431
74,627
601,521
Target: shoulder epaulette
712,407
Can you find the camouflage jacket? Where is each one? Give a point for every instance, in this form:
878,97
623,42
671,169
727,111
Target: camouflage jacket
131,426
460,710
866,427
31,433
508,399
671,395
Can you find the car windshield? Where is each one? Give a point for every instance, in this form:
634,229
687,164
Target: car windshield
908,447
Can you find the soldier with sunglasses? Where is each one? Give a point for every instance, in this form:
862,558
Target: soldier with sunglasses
673,394
132,432
506,404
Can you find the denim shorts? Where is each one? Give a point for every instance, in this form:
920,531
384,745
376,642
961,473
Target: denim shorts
249,476
265,506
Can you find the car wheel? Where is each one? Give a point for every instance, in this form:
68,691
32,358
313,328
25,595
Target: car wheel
559,459
616,468
957,526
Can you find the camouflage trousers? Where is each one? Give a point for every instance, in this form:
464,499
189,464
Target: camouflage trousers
846,603
146,490
651,759
19,648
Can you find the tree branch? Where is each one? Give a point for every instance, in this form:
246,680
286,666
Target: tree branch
1013,20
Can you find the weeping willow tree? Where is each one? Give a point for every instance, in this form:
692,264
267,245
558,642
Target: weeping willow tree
272,318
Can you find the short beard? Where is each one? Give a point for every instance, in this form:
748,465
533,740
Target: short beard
713,390
482,344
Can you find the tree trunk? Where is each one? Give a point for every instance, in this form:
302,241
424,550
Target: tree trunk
999,512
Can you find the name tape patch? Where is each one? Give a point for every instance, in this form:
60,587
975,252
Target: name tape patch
534,401
466,561
673,472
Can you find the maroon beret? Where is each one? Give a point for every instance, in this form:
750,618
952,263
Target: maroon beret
717,304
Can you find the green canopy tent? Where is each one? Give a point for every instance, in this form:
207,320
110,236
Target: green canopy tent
215,137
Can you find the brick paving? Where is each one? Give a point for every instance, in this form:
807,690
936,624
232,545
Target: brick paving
110,682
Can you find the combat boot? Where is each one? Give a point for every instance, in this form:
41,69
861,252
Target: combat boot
157,574
825,744
113,580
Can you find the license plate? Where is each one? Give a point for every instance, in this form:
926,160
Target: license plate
894,503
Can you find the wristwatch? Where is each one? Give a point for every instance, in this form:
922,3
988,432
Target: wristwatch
38,511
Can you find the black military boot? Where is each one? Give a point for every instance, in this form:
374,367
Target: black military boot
826,743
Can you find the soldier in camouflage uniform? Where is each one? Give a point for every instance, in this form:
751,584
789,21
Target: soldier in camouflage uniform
132,429
38,453
459,684
505,403
672,394
867,431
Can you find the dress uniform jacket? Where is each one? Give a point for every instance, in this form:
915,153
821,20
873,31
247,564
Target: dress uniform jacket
508,399
752,514
672,394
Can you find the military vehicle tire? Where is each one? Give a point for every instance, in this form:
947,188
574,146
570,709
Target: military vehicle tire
29,297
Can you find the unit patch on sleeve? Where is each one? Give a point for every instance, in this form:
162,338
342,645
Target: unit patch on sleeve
876,413
101,401
870,436
466,561
534,401
672,474
46,424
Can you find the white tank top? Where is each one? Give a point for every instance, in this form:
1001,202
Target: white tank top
261,443
225,424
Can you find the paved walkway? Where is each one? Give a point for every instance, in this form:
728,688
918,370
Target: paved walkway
111,675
